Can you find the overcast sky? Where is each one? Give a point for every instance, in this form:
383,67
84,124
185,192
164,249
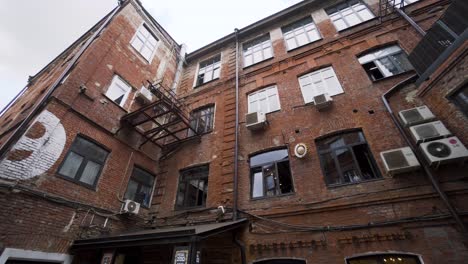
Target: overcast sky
33,32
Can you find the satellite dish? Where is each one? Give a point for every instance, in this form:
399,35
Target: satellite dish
438,149
300,150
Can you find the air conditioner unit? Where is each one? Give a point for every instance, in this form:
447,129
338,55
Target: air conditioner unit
444,150
322,101
429,131
144,95
399,160
131,207
415,116
255,120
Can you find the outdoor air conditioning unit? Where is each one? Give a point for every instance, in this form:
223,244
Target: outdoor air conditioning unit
255,120
429,131
131,207
399,160
322,101
144,95
416,116
444,150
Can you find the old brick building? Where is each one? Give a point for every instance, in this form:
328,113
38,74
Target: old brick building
277,143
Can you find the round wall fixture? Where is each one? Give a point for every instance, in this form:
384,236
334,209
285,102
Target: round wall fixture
300,150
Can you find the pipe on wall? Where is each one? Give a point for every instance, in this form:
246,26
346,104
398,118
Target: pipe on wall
236,141
426,169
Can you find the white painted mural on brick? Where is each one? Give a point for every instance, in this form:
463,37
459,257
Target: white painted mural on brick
37,150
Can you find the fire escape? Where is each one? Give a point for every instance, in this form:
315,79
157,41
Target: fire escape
164,122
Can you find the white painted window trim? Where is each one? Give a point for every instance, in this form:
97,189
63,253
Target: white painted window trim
30,255
198,69
315,28
267,98
111,85
340,13
247,43
143,24
330,91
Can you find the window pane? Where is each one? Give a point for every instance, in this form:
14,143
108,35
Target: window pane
346,162
352,19
89,149
90,173
142,177
268,157
284,176
270,179
365,162
193,187
330,171
71,165
460,98
257,189
402,60
131,190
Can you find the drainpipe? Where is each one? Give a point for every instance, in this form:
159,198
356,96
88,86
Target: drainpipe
421,160
183,49
241,246
411,21
236,144
25,124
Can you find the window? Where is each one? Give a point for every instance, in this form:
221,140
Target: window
399,3
346,158
319,82
201,120
257,50
209,70
300,33
385,62
193,187
84,162
144,42
118,91
264,101
140,187
348,14
460,99
385,259
270,174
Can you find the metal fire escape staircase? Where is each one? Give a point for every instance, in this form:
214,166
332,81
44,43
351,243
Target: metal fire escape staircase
164,122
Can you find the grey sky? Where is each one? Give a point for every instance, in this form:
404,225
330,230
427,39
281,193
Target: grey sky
33,32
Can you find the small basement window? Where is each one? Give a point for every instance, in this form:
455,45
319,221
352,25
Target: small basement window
270,174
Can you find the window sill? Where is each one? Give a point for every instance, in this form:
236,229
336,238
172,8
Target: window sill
333,186
191,209
252,65
203,84
393,76
272,197
357,25
87,186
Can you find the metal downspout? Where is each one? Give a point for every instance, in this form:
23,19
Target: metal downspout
421,160
25,124
411,21
236,144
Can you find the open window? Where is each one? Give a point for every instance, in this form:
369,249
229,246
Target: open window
385,62
140,187
209,70
118,91
270,174
193,187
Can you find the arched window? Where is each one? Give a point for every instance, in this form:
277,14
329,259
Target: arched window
281,261
385,259
270,174
346,158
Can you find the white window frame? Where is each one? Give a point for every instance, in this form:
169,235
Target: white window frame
119,83
211,68
30,255
145,39
257,46
305,26
398,3
351,9
319,82
268,93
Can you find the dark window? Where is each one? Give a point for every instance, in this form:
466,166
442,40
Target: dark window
385,62
385,259
346,158
140,187
201,120
193,187
270,174
83,162
281,261
460,99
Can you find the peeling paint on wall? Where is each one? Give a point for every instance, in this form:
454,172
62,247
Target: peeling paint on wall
37,150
